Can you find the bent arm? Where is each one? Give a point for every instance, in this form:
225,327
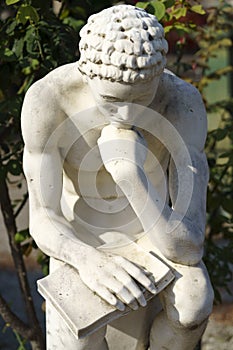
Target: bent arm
51,231
43,170
178,231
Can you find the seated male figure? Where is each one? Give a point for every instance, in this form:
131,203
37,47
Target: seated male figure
78,191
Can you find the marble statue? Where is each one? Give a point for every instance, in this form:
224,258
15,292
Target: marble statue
101,157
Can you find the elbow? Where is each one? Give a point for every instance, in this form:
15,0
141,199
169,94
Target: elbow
38,237
43,241
39,227
187,249
192,256
184,255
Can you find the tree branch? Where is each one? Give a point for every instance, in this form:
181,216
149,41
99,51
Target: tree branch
13,321
9,220
22,204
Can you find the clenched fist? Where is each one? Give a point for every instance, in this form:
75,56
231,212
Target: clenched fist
123,151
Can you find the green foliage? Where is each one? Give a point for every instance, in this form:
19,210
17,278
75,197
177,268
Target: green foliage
219,148
170,13
43,261
11,2
33,41
155,7
22,235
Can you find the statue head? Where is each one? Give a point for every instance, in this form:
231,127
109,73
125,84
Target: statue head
123,44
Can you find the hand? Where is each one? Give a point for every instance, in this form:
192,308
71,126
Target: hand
112,278
122,150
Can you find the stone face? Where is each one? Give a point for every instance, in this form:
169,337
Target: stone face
117,148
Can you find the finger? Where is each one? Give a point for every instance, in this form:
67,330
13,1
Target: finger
105,294
126,297
139,275
131,286
121,292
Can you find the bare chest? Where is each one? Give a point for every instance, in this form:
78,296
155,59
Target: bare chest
83,164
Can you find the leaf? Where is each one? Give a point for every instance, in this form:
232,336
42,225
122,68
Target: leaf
18,47
9,55
169,3
179,12
159,9
225,155
226,42
220,134
167,29
76,24
35,64
64,14
27,12
198,9
10,29
181,27
142,5
11,2
31,41
21,236
14,167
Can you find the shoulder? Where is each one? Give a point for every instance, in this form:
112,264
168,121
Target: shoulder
184,108
42,110
55,82
178,89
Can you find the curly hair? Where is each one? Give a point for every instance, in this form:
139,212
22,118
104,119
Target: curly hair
122,43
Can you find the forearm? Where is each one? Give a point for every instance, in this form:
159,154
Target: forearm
123,153
178,239
55,237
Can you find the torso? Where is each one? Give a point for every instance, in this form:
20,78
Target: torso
89,191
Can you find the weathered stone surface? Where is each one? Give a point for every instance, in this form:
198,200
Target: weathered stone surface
115,144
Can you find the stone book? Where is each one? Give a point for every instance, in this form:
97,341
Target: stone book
82,309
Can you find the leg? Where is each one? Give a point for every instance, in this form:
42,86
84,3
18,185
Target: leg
59,336
132,331
166,336
187,304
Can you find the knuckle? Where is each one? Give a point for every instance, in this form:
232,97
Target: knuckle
119,259
138,274
121,290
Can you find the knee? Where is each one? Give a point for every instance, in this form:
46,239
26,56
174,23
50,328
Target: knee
193,311
188,302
